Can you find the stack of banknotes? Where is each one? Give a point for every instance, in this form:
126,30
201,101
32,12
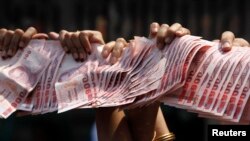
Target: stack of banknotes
191,73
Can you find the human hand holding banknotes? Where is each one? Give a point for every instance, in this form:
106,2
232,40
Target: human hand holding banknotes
59,80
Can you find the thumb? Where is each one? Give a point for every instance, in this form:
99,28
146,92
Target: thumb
40,36
53,36
227,38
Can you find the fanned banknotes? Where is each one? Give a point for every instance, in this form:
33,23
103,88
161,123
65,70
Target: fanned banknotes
190,73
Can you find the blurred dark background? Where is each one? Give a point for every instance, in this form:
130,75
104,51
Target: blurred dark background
123,18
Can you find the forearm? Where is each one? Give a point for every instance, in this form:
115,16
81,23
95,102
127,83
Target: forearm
112,125
161,127
142,122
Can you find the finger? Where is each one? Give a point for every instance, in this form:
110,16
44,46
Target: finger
14,44
82,54
172,32
80,49
27,36
117,51
240,42
107,49
53,36
96,37
40,36
182,31
7,39
71,46
216,40
161,34
227,38
84,39
154,27
2,34
123,41
62,40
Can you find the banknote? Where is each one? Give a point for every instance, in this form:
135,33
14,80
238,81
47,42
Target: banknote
20,77
190,73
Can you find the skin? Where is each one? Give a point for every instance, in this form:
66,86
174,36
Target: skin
111,119
12,40
228,40
78,43
112,123
143,128
133,125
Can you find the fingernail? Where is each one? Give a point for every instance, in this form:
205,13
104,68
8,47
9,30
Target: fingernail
113,60
4,55
226,45
105,53
21,44
81,55
155,29
168,40
75,56
9,53
179,32
66,49
160,45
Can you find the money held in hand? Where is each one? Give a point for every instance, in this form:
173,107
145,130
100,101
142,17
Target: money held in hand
190,73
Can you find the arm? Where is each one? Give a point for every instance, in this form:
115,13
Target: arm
111,122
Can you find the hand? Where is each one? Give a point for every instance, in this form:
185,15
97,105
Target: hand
78,43
228,40
165,34
11,41
115,48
